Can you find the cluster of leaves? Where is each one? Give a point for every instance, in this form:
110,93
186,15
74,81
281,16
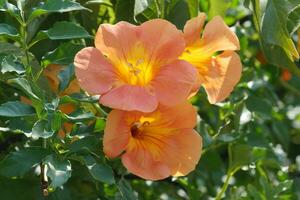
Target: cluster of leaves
251,141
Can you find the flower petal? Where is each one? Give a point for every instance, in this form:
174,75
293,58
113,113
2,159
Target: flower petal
130,98
225,73
162,39
141,163
116,134
181,116
183,152
174,82
192,29
94,73
116,40
217,36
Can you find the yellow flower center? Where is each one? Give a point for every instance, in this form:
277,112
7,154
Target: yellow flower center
197,57
147,135
136,68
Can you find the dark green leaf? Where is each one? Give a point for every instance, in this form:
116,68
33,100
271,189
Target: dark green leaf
126,192
259,106
62,31
19,162
99,171
274,27
293,21
24,85
59,6
239,155
59,170
8,30
42,129
16,109
63,55
84,143
65,76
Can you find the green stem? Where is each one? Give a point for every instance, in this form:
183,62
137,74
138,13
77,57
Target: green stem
99,109
226,183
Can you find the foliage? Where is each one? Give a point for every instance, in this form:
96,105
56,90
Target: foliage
251,140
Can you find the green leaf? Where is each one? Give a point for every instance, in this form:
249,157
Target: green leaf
78,97
65,76
259,106
293,21
16,109
178,13
105,2
23,85
10,63
99,171
63,30
8,30
124,10
274,28
42,129
140,6
63,55
126,192
193,7
19,162
59,6
84,143
218,7
59,170
80,116
239,155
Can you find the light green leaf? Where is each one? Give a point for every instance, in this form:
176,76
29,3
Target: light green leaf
105,2
41,129
193,7
59,170
19,162
10,63
59,6
218,7
141,5
80,116
16,109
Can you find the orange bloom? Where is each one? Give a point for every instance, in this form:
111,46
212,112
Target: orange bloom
286,75
155,145
51,72
135,68
212,54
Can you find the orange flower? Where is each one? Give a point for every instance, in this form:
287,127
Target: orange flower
213,55
51,72
136,67
157,144
286,75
